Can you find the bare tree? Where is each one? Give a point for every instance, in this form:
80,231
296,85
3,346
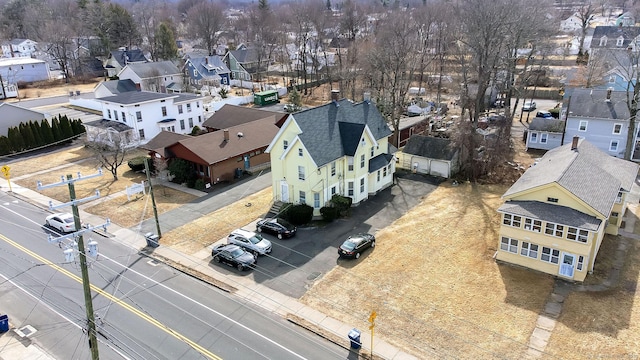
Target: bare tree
584,13
206,19
110,148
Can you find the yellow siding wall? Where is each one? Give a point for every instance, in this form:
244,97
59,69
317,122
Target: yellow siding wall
551,191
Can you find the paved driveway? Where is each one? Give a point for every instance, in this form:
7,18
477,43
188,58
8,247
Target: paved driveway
296,263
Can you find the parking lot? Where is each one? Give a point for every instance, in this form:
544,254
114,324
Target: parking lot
296,263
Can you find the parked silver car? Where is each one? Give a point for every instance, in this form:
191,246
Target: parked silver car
250,241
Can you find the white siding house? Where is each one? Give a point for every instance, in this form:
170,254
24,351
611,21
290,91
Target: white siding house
161,76
23,69
148,113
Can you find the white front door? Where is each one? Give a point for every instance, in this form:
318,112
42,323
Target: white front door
284,191
567,266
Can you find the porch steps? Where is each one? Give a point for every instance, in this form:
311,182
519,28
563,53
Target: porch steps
277,208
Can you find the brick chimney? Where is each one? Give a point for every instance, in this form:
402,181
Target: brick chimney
226,135
574,143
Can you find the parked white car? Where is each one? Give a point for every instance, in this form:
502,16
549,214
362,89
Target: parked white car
529,106
250,241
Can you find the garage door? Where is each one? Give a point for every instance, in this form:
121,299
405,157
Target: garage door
440,168
419,165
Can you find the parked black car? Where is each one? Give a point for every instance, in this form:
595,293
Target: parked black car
276,226
356,244
233,255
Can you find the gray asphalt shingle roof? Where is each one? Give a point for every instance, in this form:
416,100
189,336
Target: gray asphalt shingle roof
588,173
129,98
589,103
322,131
120,86
154,69
430,147
549,125
552,213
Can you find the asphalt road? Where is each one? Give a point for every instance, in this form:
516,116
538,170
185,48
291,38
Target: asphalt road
144,310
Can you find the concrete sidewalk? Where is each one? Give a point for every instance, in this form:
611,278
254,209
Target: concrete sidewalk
198,264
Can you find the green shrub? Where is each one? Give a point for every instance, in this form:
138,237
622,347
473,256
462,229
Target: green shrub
555,112
182,171
329,213
342,204
199,185
298,214
137,163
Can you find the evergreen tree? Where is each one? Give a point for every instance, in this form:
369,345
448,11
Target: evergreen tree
55,129
77,127
27,136
328,5
5,145
263,5
35,129
15,139
65,127
46,132
167,48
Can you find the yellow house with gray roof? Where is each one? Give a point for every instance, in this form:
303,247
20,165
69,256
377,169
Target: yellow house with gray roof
555,216
337,148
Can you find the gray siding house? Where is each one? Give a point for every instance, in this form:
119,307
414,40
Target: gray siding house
12,115
601,117
545,134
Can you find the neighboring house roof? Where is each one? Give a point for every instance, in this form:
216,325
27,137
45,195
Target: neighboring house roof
628,33
124,57
549,125
591,103
321,130
185,97
209,66
212,148
119,86
153,69
379,162
232,115
109,124
162,141
339,43
430,147
20,61
244,55
586,172
552,213
129,98
12,115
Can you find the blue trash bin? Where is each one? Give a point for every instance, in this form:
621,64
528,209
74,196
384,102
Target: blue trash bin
354,337
4,323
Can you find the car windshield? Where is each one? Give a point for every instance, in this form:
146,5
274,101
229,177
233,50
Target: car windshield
236,252
349,245
285,223
68,220
255,239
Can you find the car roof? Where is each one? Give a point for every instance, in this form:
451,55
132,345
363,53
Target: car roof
63,215
228,247
243,232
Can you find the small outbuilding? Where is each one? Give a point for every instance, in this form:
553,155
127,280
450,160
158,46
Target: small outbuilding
430,155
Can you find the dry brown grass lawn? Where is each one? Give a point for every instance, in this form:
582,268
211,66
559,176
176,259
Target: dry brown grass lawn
208,229
48,161
104,183
433,281
128,213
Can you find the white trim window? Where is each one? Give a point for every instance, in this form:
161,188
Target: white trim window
285,144
603,41
509,245
533,138
300,152
362,161
617,129
303,197
612,79
316,200
350,163
580,263
333,168
512,220
543,138
550,255
576,234
619,197
361,185
556,230
583,125
301,175
350,189
529,250
613,145
619,41
533,225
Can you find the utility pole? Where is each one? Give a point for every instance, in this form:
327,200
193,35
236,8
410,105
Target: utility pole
153,199
86,285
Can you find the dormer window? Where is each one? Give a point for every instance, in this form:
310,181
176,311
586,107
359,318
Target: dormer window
603,41
619,41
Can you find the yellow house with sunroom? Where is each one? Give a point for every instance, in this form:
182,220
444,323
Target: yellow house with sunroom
555,216
337,148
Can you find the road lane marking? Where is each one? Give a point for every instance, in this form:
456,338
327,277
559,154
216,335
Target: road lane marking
116,300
